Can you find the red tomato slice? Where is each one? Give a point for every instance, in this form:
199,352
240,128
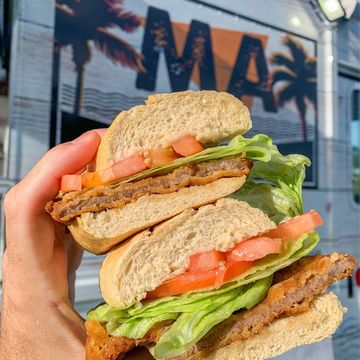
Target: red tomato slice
232,270
90,179
162,156
184,283
235,269
297,226
255,248
210,269
187,145
128,166
200,280
70,183
207,260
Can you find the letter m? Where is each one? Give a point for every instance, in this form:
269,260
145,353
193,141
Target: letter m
159,37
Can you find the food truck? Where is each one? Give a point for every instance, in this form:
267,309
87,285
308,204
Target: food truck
69,66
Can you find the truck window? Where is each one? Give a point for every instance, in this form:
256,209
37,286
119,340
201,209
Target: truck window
3,123
3,96
5,36
5,184
355,144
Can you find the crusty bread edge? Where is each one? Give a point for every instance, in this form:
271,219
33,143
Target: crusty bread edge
193,196
318,323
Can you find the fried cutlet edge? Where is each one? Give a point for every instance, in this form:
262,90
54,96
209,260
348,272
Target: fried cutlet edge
313,310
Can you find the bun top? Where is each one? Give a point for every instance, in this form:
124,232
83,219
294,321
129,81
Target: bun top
208,115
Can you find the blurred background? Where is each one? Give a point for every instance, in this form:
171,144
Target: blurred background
67,66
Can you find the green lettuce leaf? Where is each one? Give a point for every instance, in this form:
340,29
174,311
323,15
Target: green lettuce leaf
137,328
192,326
275,186
106,312
256,148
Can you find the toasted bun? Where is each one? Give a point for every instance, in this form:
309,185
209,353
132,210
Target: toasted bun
151,257
99,232
209,115
319,322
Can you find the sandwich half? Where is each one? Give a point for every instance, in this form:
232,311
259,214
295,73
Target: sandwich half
155,161
216,282
207,238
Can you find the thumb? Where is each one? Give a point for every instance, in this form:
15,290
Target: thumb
43,182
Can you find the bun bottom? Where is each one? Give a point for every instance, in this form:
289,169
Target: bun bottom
318,323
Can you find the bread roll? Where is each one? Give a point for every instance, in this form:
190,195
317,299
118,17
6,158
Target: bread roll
209,115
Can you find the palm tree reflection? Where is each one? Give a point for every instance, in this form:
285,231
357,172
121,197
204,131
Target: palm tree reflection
80,21
298,72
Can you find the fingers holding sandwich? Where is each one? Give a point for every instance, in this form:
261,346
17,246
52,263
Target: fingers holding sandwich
43,181
27,223
40,261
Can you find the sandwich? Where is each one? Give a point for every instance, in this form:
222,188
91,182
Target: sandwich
207,242
219,282
155,161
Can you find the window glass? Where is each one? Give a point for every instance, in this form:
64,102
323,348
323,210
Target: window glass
4,72
355,144
4,187
3,131
4,82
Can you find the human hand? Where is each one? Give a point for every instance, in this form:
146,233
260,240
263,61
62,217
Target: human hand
40,261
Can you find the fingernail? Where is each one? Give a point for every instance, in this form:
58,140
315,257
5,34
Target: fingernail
82,138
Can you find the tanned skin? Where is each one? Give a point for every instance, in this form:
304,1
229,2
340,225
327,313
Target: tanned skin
38,320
